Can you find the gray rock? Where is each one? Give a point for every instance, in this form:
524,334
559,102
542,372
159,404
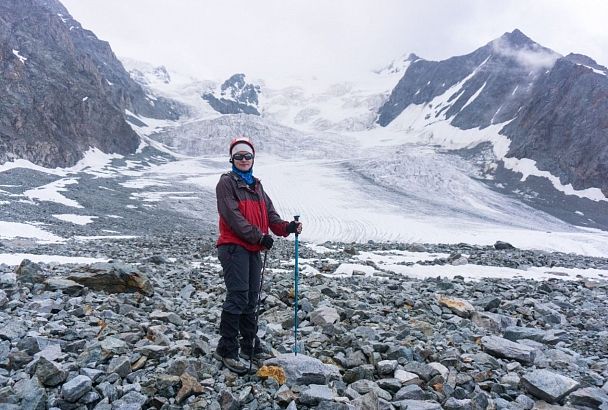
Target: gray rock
153,351
114,278
13,330
454,404
589,397
411,392
30,272
501,347
32,394
459,306
423,370
324,315
120,366
302,369
229,402
315,394
50,373
69,287
416,405
548,386
386,366
365,386
130,401
367,401
76,388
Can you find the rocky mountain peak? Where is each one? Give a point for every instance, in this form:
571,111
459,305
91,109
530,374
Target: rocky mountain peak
584,60
62,90
236,96
516,79
517,39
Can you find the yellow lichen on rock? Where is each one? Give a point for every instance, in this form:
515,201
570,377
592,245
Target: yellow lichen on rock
275,372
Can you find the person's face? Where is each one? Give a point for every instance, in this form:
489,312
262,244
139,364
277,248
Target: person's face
241,162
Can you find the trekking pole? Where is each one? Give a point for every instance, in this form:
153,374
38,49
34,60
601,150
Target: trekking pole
296,348
257,312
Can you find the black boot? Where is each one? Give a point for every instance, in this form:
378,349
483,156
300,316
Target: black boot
247,326
228,346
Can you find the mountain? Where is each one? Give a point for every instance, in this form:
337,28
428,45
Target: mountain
235,97
63,90
552,109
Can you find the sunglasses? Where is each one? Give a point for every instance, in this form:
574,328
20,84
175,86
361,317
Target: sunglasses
240,157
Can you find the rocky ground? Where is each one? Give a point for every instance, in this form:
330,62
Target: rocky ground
139,332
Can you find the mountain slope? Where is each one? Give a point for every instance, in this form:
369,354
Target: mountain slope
63,90
556,107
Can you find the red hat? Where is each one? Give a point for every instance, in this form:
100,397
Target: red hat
241,144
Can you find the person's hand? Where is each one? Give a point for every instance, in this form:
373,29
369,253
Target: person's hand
294,227
267,241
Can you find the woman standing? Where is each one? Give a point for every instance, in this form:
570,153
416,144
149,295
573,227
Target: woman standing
246,214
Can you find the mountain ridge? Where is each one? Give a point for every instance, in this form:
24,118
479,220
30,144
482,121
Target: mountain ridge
531,89
64,90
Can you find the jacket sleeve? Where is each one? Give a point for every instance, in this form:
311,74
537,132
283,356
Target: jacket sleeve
228,208
276,224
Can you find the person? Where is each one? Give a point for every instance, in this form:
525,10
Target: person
246,214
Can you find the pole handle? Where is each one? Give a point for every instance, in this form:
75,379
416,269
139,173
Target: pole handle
297,219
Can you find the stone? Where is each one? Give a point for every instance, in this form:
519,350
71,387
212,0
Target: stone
386,366
417,405
13,330
410,392
76,388
369,401
131,400
66,286
30,272
500,347
588,397
111,346
49,373
316,393
365,386
423,370
459,306
153,351
31,393
114,278
190,386
407,377
324,315
548,386
120,365
500,245
303,370
229,402
515,333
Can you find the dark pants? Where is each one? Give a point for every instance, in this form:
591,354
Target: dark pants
242,271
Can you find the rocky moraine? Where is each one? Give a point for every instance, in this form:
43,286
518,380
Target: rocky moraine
138,331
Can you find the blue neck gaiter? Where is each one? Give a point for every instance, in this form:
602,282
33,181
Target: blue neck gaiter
246,176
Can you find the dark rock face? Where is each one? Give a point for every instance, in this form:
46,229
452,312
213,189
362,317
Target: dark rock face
558,104
63,89
236,97
564,127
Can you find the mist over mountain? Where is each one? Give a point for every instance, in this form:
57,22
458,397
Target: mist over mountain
63,90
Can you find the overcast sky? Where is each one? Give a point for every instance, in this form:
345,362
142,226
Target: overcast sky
330,38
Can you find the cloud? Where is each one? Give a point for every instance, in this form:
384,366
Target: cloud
338,38
533,57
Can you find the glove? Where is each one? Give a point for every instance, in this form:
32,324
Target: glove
267,241
292,227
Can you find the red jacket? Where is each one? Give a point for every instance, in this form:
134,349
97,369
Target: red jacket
246,214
